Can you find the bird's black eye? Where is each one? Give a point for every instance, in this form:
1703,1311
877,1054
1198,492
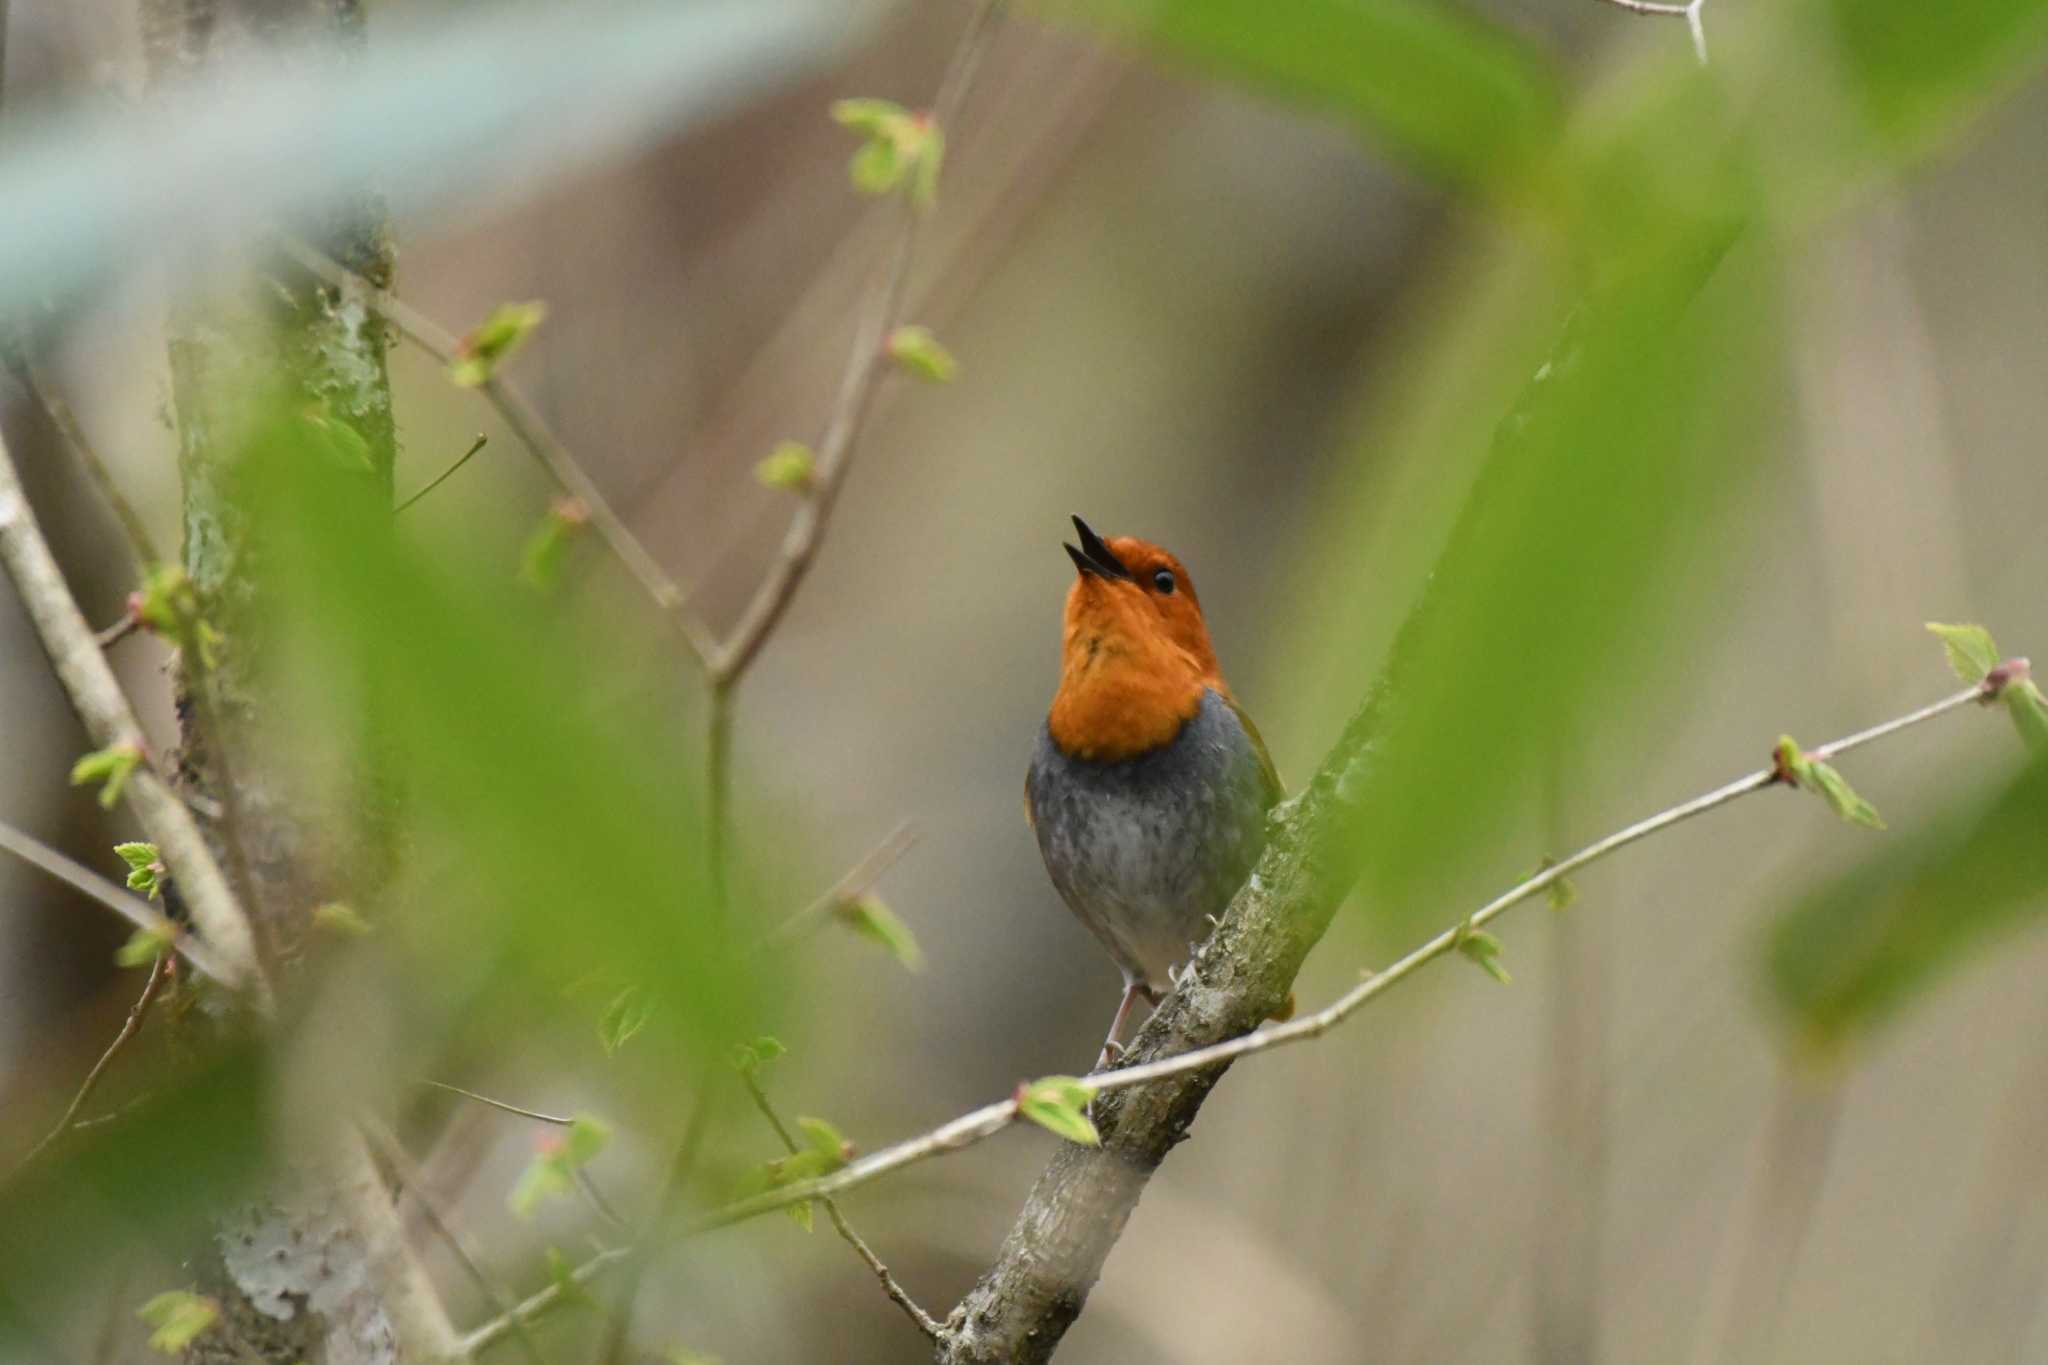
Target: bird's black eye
1163,580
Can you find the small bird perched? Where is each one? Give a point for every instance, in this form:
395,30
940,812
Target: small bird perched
1149,788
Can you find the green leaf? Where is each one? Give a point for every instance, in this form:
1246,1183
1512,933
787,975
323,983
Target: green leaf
1801,769
748,1058
1059,1104
826,1140
2029,713
176,1318
145,868
1454,94
492,342
918,352
869,116
1855,951
143,947
1841,796
540,561
552,1172
800,1214
626,1014
1484,950
339,917
111,767
1970,650
877,168
790,466
1561,893
869,917
336,441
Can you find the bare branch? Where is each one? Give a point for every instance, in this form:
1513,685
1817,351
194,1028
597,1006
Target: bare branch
129,1028
32,378
132,908
864,368
990,1119
478,444
898,1295
100,703
531,1307
534,1114
861,876
1689,11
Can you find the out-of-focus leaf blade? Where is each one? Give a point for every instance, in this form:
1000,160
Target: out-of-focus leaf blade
1858,949
1457,96
491,102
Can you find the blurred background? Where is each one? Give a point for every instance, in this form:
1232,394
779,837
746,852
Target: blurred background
1237,283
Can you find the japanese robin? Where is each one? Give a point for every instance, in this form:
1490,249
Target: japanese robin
1149,787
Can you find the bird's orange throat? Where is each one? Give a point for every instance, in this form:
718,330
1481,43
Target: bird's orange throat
1125,687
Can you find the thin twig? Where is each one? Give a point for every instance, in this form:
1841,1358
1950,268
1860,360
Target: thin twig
409,1175
990,1119
132,908
858,879
534,1114
97,697
898,1295
864,368
539,1302
1690,12
140,543
527,427
619,1320
119,631
478,444
129,1028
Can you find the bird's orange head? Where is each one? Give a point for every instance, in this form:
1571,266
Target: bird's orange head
1135,655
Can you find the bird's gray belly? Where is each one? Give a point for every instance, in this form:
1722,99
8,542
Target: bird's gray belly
1146,850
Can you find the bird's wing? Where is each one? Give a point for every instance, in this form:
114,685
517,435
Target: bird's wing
1269,776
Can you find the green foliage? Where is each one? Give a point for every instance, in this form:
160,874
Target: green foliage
790,466
1857,949
176,1317
568,1289
492,342
899,147
111,767
1484,951
552,1171
145,868
540,561
825,1150
919,353
341,919
749,1058
142,948
2029,710
1560,894
1059,1104
624,1016
871,918
1971,652
1801,769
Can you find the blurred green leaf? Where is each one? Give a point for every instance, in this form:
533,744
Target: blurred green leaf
1971,652
1919,69
790,467
540,561
918,352
491,342
749,1058
2029,711
340,918
1802,770
871,918
141,949
569,1291
1456,95
552,1172
176,1318
1059,1104
624,1017
1856,950
826,1139
1484,951
111,767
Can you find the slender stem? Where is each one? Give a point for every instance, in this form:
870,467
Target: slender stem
140,543
865,366
900,1296
410,1176
620,1319
478,444
990,1119
129,1028
526,426
1689,11
718,795
539,1302
533,1114
132,908
857,880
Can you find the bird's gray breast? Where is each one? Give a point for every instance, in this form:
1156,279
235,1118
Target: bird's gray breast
1146,849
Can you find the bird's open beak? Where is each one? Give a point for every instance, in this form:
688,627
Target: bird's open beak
1094,556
